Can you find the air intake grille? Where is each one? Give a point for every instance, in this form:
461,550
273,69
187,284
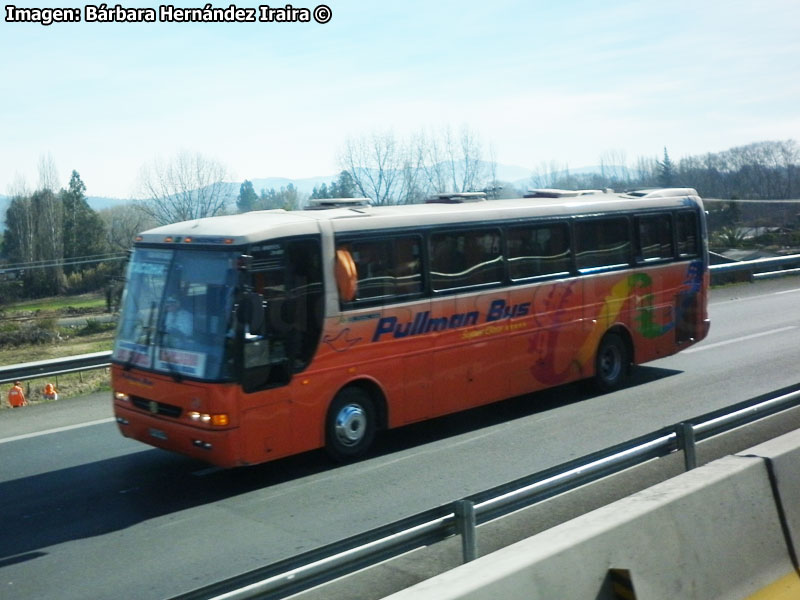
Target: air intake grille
157,408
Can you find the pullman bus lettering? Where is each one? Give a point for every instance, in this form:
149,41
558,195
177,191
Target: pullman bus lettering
424,323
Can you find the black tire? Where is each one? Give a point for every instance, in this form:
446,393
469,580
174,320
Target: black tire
612,363
351,424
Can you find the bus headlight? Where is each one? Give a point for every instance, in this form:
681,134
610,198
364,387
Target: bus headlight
220,420
122,397
217,420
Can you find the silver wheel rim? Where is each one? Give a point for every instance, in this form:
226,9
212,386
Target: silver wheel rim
610,363
350,425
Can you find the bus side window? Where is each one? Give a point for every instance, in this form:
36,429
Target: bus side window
466,258
536,250
373,269
687,234
655,237
384,268
407,269
602,243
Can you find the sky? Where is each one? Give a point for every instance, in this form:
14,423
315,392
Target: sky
539,82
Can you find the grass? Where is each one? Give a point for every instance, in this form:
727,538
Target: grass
58,304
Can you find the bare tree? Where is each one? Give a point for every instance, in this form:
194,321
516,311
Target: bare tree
468,169
392,171
376,164
493,187
190,186
614,170
48,173
123,223
451,163
548,175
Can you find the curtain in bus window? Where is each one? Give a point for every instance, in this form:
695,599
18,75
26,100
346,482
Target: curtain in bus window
465,258
687,234
602,243
387,268
655,237
538,250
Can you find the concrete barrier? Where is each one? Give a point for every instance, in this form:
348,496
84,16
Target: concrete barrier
712,533
782,458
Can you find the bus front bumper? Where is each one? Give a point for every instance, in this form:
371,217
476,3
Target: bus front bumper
213,446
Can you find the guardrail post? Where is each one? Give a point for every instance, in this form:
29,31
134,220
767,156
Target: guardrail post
686,442
466,523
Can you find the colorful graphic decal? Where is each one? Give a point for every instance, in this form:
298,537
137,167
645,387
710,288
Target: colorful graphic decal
641,283
545,343
342,341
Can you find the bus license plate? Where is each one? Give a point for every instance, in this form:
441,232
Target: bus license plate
157,433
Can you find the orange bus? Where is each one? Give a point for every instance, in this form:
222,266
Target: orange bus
251,337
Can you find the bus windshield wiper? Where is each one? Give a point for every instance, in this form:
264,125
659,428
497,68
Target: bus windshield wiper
176,375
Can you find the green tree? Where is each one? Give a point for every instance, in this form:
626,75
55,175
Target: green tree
666,171
286,198
344,187
321,192
34,242
84,232
18,241
248,199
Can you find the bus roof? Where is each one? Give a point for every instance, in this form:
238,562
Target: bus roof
256,226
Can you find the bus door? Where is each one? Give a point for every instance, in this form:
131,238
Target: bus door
285,279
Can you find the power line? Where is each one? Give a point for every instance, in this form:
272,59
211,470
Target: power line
62,262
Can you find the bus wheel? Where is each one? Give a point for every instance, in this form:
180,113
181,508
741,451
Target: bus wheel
350,426
611,363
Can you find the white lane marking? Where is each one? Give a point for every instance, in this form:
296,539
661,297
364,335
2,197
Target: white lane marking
56,430
739,339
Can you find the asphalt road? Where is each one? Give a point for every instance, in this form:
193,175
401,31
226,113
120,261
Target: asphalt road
85,513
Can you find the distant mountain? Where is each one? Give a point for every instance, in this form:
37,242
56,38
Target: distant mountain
101,203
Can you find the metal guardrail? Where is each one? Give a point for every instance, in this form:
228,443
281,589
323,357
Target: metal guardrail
760,268
461,517
57,366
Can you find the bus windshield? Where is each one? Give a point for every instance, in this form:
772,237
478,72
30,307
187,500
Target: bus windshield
177,313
